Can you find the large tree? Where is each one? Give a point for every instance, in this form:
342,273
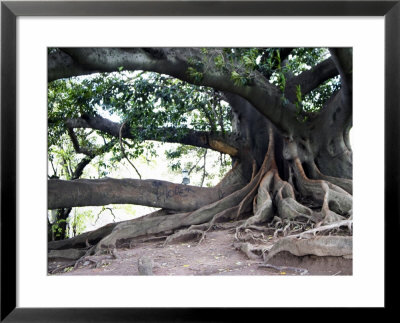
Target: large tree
282,114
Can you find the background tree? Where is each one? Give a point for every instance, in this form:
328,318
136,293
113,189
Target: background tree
283,116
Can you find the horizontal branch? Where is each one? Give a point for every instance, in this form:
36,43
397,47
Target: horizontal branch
203,139
154,193
61,65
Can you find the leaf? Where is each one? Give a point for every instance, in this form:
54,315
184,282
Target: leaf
219,62
248,62
185,266
238,79
298,93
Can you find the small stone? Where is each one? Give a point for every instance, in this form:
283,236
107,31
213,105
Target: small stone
145,266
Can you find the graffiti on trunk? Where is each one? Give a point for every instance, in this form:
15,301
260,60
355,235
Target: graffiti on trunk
164,193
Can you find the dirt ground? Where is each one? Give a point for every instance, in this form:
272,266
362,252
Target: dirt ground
215,255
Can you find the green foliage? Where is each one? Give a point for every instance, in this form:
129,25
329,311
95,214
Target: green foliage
127,208
315,100
241,64
146,102
219,61
239,80
195,75
302,59
298,98
299,60
78,221
57,228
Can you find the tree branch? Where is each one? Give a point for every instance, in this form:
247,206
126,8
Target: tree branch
154,193
343,59
90,153
123,151
61,65
309,80
77,147
264,96
214,141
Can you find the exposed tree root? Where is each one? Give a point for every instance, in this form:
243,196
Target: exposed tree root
285,228
291,212
335,201
319,246
156,224
82,240
346,184
134,242
66,254
267,165
336,225
253,236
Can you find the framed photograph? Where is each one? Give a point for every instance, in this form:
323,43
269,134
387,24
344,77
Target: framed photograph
263,36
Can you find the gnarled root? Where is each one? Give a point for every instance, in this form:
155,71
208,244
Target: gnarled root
335,201
66,254
277,207
319,246
156,224
329,227
344,183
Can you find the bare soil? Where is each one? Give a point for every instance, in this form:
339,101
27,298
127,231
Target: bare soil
215,255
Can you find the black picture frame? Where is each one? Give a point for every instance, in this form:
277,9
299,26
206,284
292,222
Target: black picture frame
10,10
